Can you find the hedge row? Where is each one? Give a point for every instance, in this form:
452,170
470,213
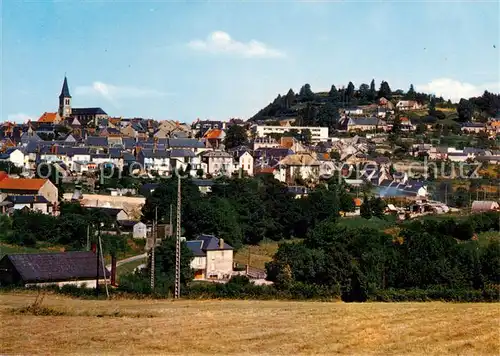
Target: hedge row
489,294
241,289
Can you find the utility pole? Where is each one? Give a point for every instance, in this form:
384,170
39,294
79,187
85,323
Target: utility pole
88,238
154,234
178,242
170,227
98,251
103,267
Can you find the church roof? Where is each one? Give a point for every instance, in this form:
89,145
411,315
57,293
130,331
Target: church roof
65,90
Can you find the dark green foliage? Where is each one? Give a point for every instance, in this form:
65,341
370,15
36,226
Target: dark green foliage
384,90
362,263
235,136
465,110
10,168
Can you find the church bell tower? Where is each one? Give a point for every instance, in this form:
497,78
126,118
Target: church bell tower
65,101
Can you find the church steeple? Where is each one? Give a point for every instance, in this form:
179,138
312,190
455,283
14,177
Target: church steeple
65,101
65,89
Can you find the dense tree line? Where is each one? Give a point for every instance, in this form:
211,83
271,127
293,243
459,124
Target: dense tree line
68,229
361,262
248,210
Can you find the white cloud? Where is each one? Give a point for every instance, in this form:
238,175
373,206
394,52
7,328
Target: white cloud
455,90
113,92
20,118
221,42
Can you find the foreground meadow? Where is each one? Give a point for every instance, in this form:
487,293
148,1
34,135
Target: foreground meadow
144,327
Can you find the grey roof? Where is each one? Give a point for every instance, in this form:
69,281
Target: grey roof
195,247
128,142
181,153
473,124
58,266
88,111
27,138
71,151
210,243
115,153
147,152
97,141
203,182
128,157
366,121
27,199
185,143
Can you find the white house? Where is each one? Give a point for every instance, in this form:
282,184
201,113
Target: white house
318,134
265,142
218,162
154,160
353,111
140,231
213,258
36,203
297,166
245,163
13,155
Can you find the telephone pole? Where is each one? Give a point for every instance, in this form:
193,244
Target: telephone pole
154,234
178,242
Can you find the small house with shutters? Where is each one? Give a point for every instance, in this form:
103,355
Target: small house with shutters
59,268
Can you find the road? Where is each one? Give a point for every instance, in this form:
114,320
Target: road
129,259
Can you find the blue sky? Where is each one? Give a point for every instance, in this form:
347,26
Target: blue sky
181,61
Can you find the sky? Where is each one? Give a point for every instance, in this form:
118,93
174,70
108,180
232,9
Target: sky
223,59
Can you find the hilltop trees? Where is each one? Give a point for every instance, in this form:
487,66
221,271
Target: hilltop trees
305,93
373,92
384,91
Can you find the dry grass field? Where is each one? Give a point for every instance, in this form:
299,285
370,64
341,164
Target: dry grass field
145,327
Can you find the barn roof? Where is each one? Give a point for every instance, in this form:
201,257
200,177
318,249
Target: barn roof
59,266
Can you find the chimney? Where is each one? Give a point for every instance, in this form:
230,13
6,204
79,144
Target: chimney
113,271
221,244
94,248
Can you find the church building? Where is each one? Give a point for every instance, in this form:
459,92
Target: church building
85,116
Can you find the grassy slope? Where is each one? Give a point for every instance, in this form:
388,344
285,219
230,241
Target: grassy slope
128,267
248,327
6,249
259,255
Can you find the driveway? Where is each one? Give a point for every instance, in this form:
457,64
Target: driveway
129,259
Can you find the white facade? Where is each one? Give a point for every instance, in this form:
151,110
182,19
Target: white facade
36,207
219,264
245,163
318,134
17,158
140,231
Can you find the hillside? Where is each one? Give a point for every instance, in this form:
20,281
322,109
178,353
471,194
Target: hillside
324,108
